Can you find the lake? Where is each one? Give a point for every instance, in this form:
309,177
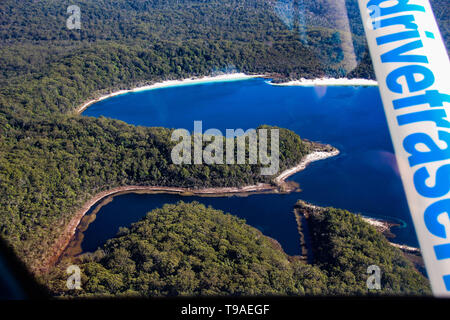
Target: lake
364,178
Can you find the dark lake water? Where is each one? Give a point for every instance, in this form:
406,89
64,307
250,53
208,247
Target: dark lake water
363,178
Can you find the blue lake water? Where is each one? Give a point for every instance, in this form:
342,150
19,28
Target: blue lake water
363,178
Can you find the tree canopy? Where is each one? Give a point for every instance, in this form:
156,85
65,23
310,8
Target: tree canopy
187,249
52,160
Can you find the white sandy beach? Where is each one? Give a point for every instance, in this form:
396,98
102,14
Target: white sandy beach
174,83
312,157
328,82
235,77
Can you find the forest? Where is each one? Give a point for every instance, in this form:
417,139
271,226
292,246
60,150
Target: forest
52,168
187,249
52,159
344,246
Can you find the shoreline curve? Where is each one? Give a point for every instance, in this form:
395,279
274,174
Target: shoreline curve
326,82
172,83
70,230
228,78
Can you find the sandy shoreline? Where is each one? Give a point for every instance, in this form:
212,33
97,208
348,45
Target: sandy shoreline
327,82
173,83
72,226
312,157
70,230
234,77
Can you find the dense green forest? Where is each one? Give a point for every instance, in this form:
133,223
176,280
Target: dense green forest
50,169
187,250
344,246
52,160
